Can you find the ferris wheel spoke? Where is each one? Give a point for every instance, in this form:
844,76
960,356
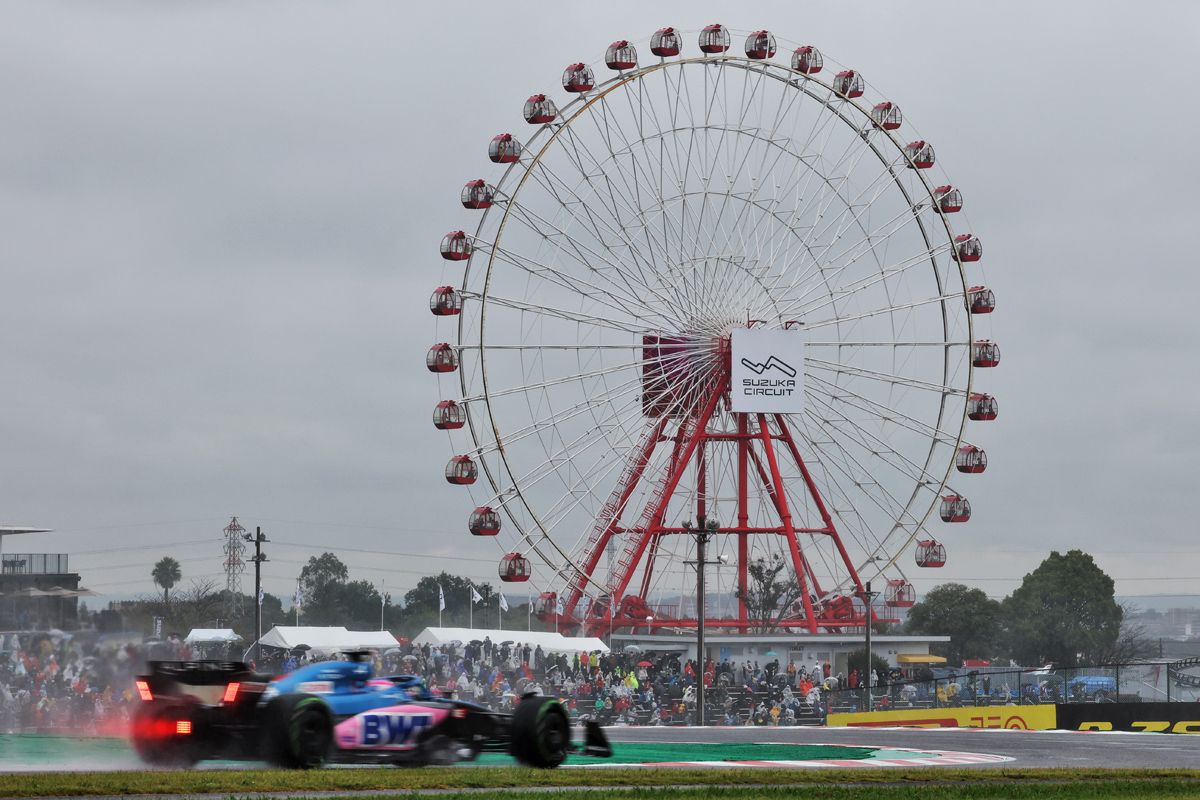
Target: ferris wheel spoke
643,176
816,231
640,260
885,412
840,293
885,377
869,245
847,468
824,323
880,450
833,464
627,304
591,320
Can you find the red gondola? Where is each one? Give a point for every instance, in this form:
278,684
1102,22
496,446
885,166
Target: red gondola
545,604
899,594
968,247
578,78
666,42
839,607
461,471
456,246
714,39
445,302
807,59
982,300
982,407
441,358
985,353
931,553
504,149
849,83
919,154
514,568
539,110
477,194
955,508
760,45
949,200
621,55
970,459
449,416
887,115
484,521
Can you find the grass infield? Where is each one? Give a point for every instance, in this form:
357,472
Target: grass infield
745,784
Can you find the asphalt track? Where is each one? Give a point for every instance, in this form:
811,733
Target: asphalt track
1025,748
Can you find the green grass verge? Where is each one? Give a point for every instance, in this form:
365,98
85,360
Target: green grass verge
818,783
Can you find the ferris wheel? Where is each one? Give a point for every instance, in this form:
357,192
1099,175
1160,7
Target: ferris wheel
707,291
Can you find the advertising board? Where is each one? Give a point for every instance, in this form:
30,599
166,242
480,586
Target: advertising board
767,371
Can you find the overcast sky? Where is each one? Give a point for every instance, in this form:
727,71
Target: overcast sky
218,233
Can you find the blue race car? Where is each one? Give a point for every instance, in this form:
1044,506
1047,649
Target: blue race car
335,711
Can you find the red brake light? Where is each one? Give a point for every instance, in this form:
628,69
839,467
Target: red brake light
144,690
231,693
183,727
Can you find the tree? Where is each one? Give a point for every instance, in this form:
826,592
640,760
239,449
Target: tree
323,580
1064,612
166,573
768,596
857,660
968,616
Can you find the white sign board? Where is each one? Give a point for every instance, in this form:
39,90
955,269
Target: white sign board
767,371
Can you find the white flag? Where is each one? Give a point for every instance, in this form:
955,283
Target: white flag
475,596
558,606
298,600
503,603
261,595
441,599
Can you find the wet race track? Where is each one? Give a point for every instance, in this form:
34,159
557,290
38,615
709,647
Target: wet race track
802,747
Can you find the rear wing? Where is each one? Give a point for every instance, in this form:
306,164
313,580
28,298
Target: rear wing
210,682
202,673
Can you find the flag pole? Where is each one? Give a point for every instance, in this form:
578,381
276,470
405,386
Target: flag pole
471,609
499,614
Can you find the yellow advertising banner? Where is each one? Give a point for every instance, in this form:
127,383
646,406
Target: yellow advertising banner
1033,718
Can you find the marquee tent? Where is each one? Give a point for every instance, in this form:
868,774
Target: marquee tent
549,641
211,636
326,640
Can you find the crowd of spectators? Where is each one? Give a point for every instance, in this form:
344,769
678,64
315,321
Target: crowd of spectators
56,682
633,688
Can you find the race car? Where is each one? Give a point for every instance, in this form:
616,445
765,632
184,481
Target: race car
338,712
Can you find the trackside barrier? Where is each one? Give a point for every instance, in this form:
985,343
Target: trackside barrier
1033,718
1147,717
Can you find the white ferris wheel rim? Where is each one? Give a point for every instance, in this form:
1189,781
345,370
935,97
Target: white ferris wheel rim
506,490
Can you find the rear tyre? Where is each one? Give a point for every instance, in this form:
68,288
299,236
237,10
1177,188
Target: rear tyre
541,733
297,731
156,737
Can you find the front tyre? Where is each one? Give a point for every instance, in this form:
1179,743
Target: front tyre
297,731
541,733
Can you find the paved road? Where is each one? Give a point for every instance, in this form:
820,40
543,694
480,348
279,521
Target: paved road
1028,748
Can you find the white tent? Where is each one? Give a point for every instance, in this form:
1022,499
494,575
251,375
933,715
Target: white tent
211,636
327,640
549,641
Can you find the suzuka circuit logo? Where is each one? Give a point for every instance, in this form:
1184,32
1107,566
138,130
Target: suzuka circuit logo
771,363
777,378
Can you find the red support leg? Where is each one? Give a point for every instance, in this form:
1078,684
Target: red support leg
743,450
675,474
786,434
786,517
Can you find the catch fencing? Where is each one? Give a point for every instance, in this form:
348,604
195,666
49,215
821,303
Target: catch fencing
1157,681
